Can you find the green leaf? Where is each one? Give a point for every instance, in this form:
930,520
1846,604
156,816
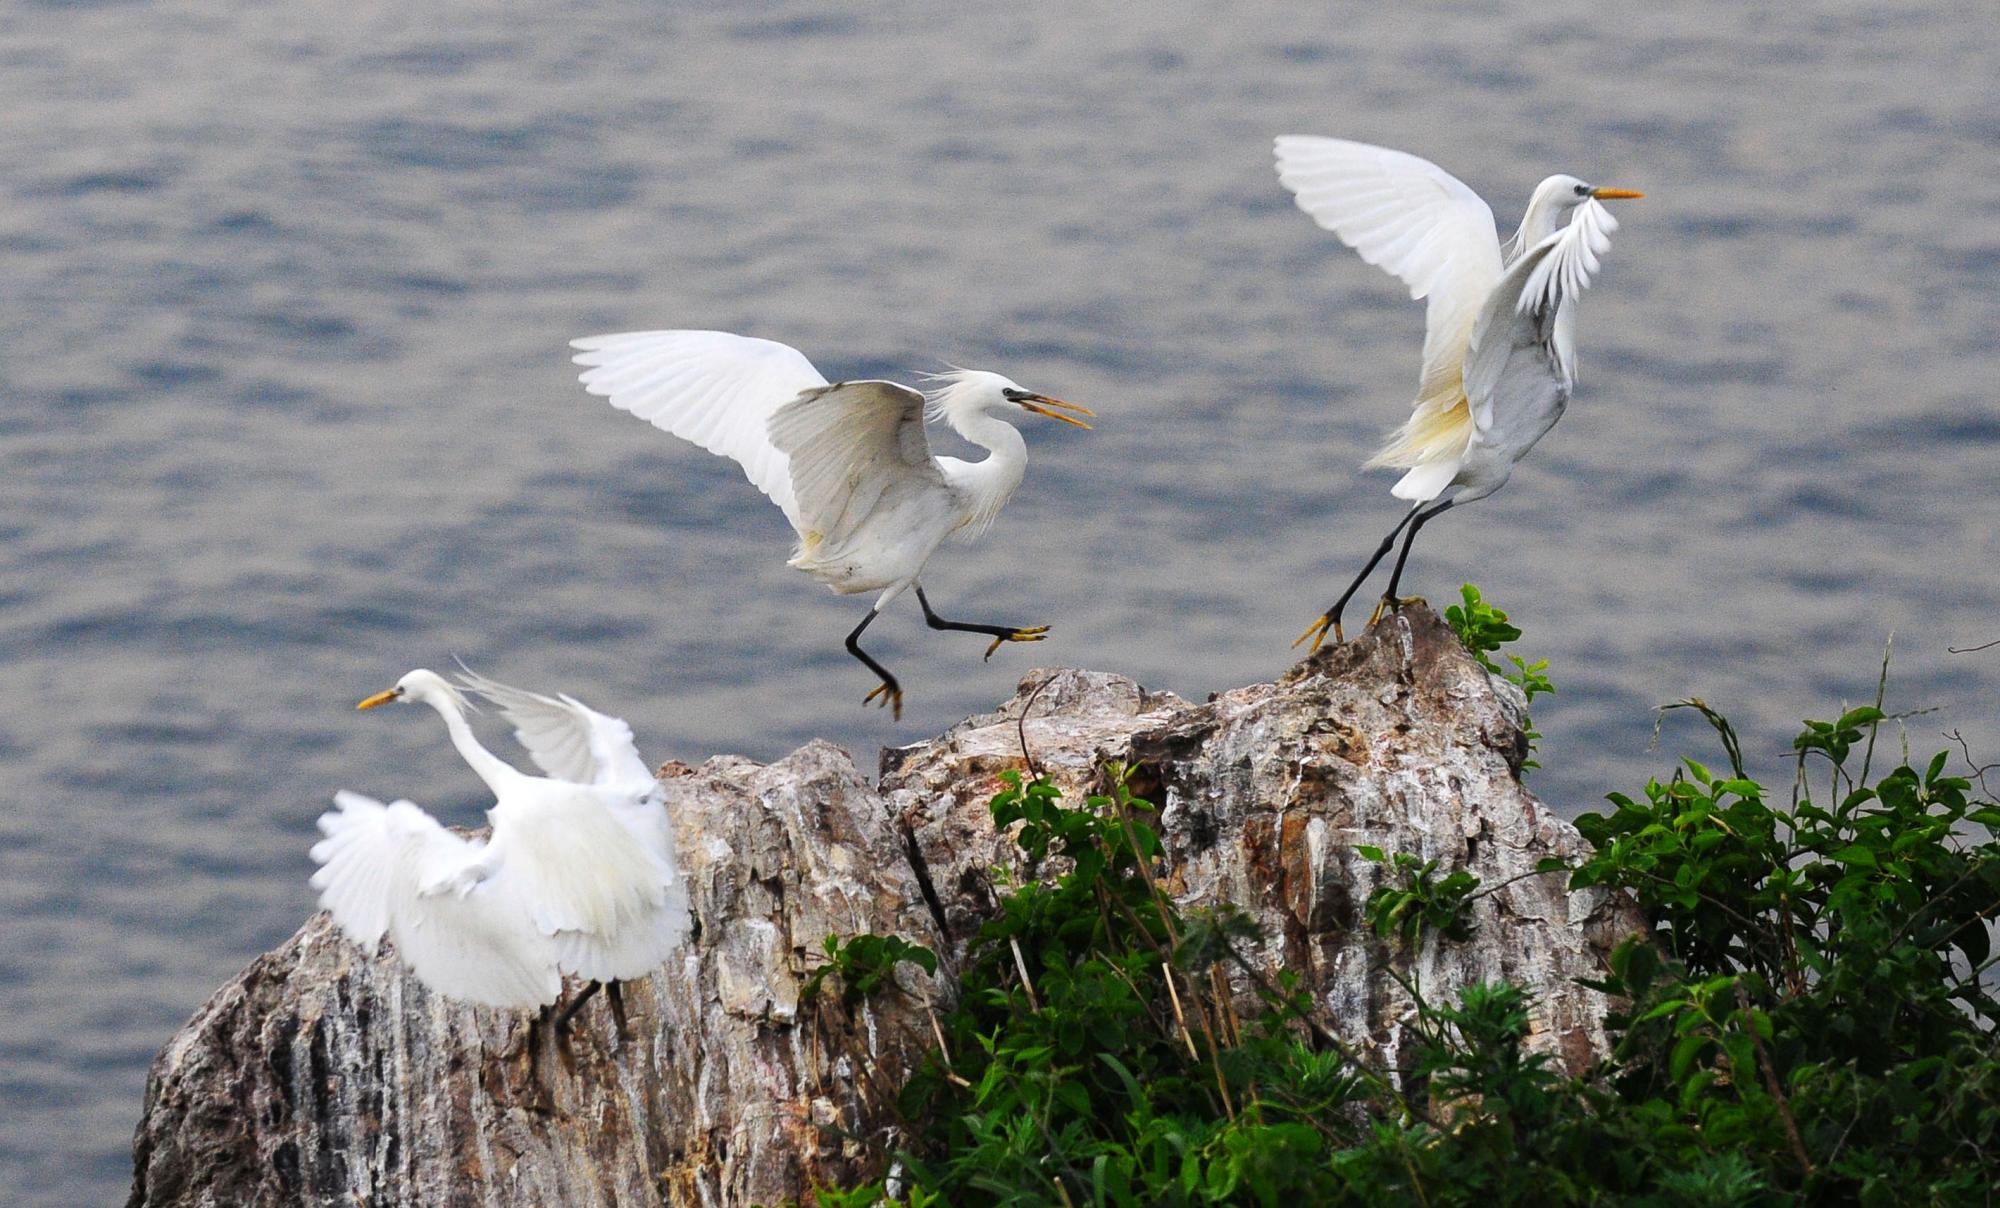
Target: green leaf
1686,1049
1662,1010
1856,718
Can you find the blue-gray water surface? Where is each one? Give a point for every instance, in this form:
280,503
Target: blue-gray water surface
288,408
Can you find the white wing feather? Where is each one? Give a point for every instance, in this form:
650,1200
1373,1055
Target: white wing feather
597,869
712,388
661,922
1412,218
1560,276
571,741
456,917
566,738
576,861
1522,360
848,443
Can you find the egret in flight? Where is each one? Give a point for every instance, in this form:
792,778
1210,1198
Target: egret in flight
578,875
847,462
1499,327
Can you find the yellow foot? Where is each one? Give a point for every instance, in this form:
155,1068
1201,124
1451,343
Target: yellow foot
1320,628
892,699
1033,633
1389,604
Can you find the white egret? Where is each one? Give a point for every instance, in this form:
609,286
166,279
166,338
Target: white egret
1499,328
847,462
574,744
578,875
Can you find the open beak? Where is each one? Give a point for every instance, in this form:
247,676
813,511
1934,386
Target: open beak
1041,404
380,698
1616,194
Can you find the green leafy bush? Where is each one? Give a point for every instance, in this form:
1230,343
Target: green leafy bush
1814,996
1810,1017
1416,899
1484,629
863,963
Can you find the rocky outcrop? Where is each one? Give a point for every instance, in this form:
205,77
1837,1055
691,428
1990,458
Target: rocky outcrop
1397,740
321,1076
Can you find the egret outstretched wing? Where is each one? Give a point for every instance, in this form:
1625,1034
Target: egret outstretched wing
1522,354
1562,273
575,860
573,742
566,738
1410,217
848,443
446,901
711,388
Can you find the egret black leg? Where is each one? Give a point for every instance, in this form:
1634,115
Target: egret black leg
889,690
999,633
575,1005
531,1040
1422,518
539,1097
616,993
1329,620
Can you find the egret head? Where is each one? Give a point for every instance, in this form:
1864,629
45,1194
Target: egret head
419,686
1567,192
964,391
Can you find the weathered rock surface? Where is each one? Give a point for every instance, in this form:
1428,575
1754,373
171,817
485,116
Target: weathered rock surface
322,1077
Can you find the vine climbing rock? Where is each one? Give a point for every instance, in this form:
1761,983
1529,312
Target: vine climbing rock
320,1075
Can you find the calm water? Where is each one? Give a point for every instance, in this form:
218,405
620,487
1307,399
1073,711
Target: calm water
288,408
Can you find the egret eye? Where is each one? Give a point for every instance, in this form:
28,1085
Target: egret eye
1583,190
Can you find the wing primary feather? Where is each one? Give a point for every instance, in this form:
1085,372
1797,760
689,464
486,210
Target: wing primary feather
1416,221
713,389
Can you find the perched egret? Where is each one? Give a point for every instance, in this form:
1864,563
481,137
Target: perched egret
574,744
578,875
847,462
1499,329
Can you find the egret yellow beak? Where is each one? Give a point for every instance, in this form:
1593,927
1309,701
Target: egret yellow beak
380,698
1040,404
1616,194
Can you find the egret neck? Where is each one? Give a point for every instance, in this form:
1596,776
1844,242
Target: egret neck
489,767
989,483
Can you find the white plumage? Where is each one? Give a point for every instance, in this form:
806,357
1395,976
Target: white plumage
574,744
578,875
847,462
457,916
1499,346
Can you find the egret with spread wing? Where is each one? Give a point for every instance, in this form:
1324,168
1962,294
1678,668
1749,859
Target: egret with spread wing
847,462
574,744
1499,326
578,875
